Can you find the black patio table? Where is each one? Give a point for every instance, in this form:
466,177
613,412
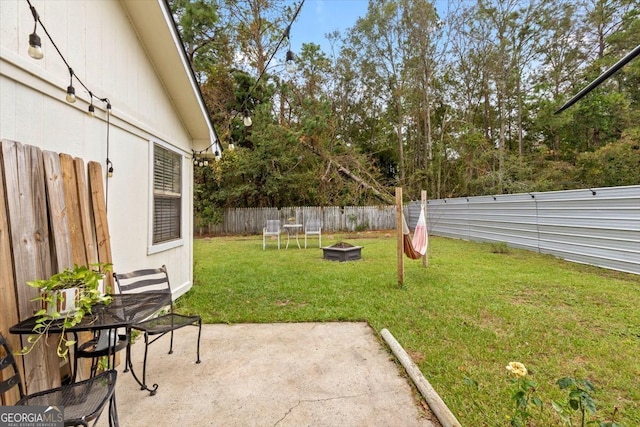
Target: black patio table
123,311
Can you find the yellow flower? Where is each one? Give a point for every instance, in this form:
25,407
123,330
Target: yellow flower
517,369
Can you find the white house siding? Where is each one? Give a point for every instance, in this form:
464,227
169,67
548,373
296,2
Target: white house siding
99,41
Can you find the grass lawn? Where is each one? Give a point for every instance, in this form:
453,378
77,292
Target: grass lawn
467,315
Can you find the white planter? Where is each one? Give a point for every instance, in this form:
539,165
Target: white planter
63,302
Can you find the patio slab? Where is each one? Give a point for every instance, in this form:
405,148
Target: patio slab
285,374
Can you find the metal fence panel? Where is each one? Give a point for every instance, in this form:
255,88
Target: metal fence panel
593,226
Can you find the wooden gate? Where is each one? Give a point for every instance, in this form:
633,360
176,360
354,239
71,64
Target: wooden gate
51,217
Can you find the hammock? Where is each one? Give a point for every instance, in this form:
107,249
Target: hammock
417,247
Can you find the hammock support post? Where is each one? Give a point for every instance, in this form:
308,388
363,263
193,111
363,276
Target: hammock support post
423,197
400,236
416,247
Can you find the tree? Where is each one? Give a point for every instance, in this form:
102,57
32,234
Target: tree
203,38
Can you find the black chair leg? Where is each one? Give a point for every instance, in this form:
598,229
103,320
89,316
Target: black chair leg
127,360
113,412
198,345
144,362
171,343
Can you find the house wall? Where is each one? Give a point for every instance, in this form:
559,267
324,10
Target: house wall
100,43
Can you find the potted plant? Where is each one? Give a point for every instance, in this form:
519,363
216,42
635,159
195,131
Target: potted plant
67,297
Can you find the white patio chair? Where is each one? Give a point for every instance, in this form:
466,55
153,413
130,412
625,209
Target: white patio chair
272,229
313,227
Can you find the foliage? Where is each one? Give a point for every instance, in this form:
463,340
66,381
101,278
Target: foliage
615,164
579,400
458,99
499,247
87,281
525,389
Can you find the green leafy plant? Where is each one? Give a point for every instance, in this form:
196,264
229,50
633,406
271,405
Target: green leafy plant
499,248
524,394
579,401
87,281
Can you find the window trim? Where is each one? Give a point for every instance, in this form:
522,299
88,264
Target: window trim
160,247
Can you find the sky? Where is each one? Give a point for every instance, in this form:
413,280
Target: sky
319,17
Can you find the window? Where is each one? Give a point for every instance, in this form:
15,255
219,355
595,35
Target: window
167,195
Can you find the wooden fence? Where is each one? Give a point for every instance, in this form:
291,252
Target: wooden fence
52,215
333,218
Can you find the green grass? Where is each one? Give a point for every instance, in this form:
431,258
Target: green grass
468,314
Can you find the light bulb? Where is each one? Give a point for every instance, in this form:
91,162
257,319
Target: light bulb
201,164
290,64
92,111
35,46
110,172
231,146
71,95
206,162
247,120
195,162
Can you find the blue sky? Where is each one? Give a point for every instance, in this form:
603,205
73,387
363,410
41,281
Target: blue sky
319,17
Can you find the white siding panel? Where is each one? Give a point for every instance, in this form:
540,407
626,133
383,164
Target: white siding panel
99,42
7,106
12,27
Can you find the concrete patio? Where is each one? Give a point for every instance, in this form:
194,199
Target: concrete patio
286,374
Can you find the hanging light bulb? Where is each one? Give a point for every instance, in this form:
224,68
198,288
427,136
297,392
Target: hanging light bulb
71,92
218,156
247,119
195,161
109,168
92,110
206,162
35,44
290,64
231,146
71,95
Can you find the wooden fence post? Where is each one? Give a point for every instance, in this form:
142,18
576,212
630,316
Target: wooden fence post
400,237
423,200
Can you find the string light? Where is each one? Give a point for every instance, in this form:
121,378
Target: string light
247,119
290,66
35,51
35,44
71,92
109,168
91,110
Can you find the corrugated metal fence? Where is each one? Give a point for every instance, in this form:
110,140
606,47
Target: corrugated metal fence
599,226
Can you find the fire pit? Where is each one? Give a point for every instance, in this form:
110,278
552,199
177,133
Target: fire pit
342,251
